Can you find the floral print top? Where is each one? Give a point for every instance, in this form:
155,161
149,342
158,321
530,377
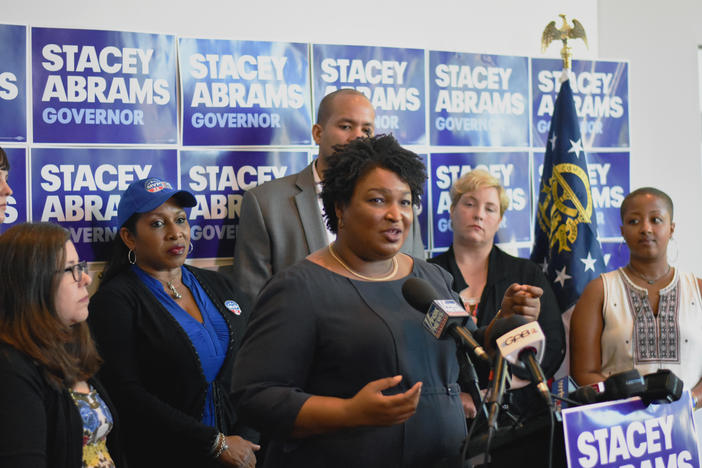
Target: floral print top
97,423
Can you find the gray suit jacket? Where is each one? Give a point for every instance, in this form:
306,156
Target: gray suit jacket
280,224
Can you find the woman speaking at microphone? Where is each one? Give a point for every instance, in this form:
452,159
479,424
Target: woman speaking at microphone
168,334
336,368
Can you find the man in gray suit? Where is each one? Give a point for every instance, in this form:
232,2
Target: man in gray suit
281,221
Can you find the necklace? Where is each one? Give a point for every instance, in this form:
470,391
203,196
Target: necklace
174,291
393,269
643,277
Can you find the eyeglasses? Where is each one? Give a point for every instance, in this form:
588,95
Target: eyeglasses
76,270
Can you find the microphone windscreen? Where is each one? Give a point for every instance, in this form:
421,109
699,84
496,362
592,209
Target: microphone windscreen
662,385
505,325
419,293
623,385
585,395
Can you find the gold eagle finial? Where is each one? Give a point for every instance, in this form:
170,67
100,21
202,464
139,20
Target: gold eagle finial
551,33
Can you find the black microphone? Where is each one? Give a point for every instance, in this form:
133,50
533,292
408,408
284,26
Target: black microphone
585,395
662,385
498,375
442,315
622,385
617,386
522,343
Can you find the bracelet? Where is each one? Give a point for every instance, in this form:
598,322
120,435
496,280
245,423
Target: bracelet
215,445
222,445
694,401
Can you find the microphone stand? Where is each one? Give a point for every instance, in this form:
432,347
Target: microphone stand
496,393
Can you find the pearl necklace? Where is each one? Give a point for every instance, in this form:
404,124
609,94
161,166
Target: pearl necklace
649,281
393,269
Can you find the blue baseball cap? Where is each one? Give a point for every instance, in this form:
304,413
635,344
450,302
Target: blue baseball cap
148,194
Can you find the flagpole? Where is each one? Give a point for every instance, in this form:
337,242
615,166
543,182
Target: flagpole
565,233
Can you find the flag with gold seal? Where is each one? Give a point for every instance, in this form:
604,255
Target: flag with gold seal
565,238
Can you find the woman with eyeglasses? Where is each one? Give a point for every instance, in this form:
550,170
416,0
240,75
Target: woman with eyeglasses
168,333
52,410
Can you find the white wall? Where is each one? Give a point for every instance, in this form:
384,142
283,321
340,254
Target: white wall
497,26
661,41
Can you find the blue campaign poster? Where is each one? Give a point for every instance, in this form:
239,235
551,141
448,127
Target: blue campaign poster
628,434
245,92
16,211
601,96
13,83
218,179
616,254
609,182
80,188
478,99
393,80
422,211
103,87
511,168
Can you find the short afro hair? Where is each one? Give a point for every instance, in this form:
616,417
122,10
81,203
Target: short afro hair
351,162
646,191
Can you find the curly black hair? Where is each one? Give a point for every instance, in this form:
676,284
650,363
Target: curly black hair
351,162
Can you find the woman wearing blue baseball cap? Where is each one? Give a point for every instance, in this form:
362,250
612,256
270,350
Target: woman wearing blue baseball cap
168,334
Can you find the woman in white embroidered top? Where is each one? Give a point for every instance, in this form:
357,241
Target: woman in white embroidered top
619,313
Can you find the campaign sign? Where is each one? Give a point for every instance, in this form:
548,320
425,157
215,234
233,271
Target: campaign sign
391,78
103,87
609,183
511,169
13,83
616,254
627,434
478,99
80,188
422,211
16,211
601,96
245,92
218,179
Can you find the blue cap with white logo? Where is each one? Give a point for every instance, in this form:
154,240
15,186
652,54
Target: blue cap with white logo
148,194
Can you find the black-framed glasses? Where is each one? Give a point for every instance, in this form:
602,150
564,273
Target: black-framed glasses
76,270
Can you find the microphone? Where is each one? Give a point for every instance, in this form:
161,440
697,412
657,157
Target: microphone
617,386
662,385
522,343
585,395
442,315
498,376
621,385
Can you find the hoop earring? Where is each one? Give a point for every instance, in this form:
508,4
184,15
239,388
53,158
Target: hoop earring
131,256
674,257
191,248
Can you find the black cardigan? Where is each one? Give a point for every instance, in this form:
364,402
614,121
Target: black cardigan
503,270
40,425
154,373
